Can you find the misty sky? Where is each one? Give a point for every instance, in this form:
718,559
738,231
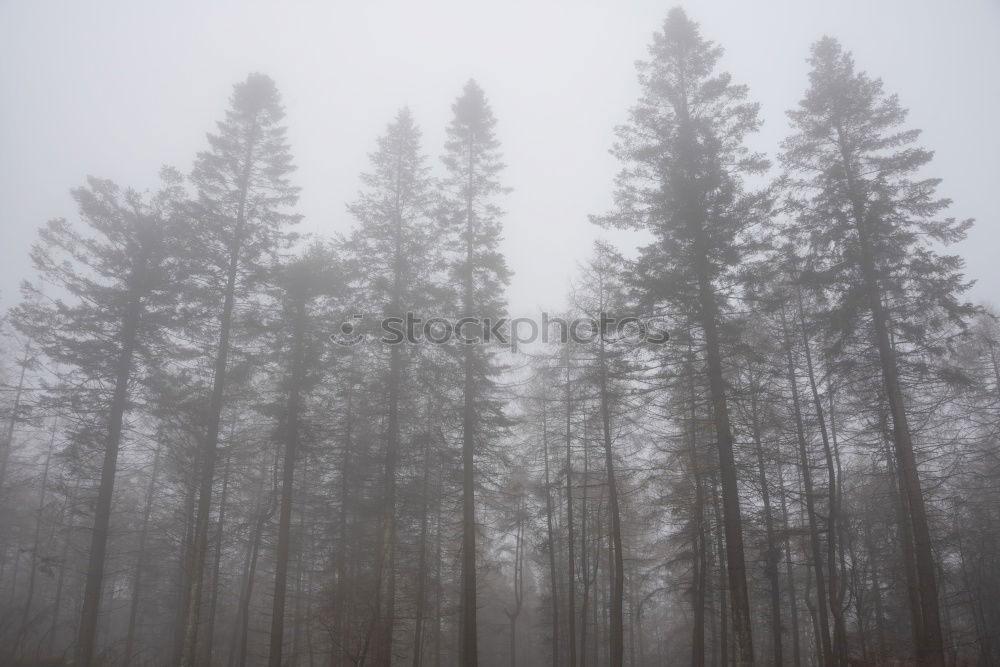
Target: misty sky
118,89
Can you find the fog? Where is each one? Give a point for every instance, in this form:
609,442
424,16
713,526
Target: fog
499,333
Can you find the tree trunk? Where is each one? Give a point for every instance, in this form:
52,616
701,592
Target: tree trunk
90,612
385,597
33,560
877,591
518,579
553,575
291,433
342,602
418,629
732,517
8,435
469,652
793,601
186,566
839,648
772,557
826,651
209,649
63,565
570,539
238,650
617,567
438,587
584,552
140,559
723,610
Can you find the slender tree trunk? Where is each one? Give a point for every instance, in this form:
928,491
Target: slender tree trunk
469,646
699,537
553,576
584,552
140,558
469,652
418,628
291,438
876,590
570,539
342,602
238,650
732,517
699,548
63,564
905,536
826,651
843,536
839,648
186,565
617,567
33,560
386,596
723,608
596,613
858,583
247,598
209,648
438,586
8,435
90,612
793,601
300,575
810,606
909,566
6,445
518,579
772,557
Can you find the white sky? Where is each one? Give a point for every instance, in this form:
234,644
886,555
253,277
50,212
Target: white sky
116,89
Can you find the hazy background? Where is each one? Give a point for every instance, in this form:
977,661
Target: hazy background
117,89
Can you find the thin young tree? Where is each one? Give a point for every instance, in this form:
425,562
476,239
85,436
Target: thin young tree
600,295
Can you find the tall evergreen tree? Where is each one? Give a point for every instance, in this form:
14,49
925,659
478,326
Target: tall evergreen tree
870,225
472,218
392,252
685,159
240,218
117,284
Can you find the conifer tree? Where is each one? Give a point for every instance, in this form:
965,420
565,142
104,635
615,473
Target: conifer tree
870,225
119,277
392,257
684,163
471,217
239,221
